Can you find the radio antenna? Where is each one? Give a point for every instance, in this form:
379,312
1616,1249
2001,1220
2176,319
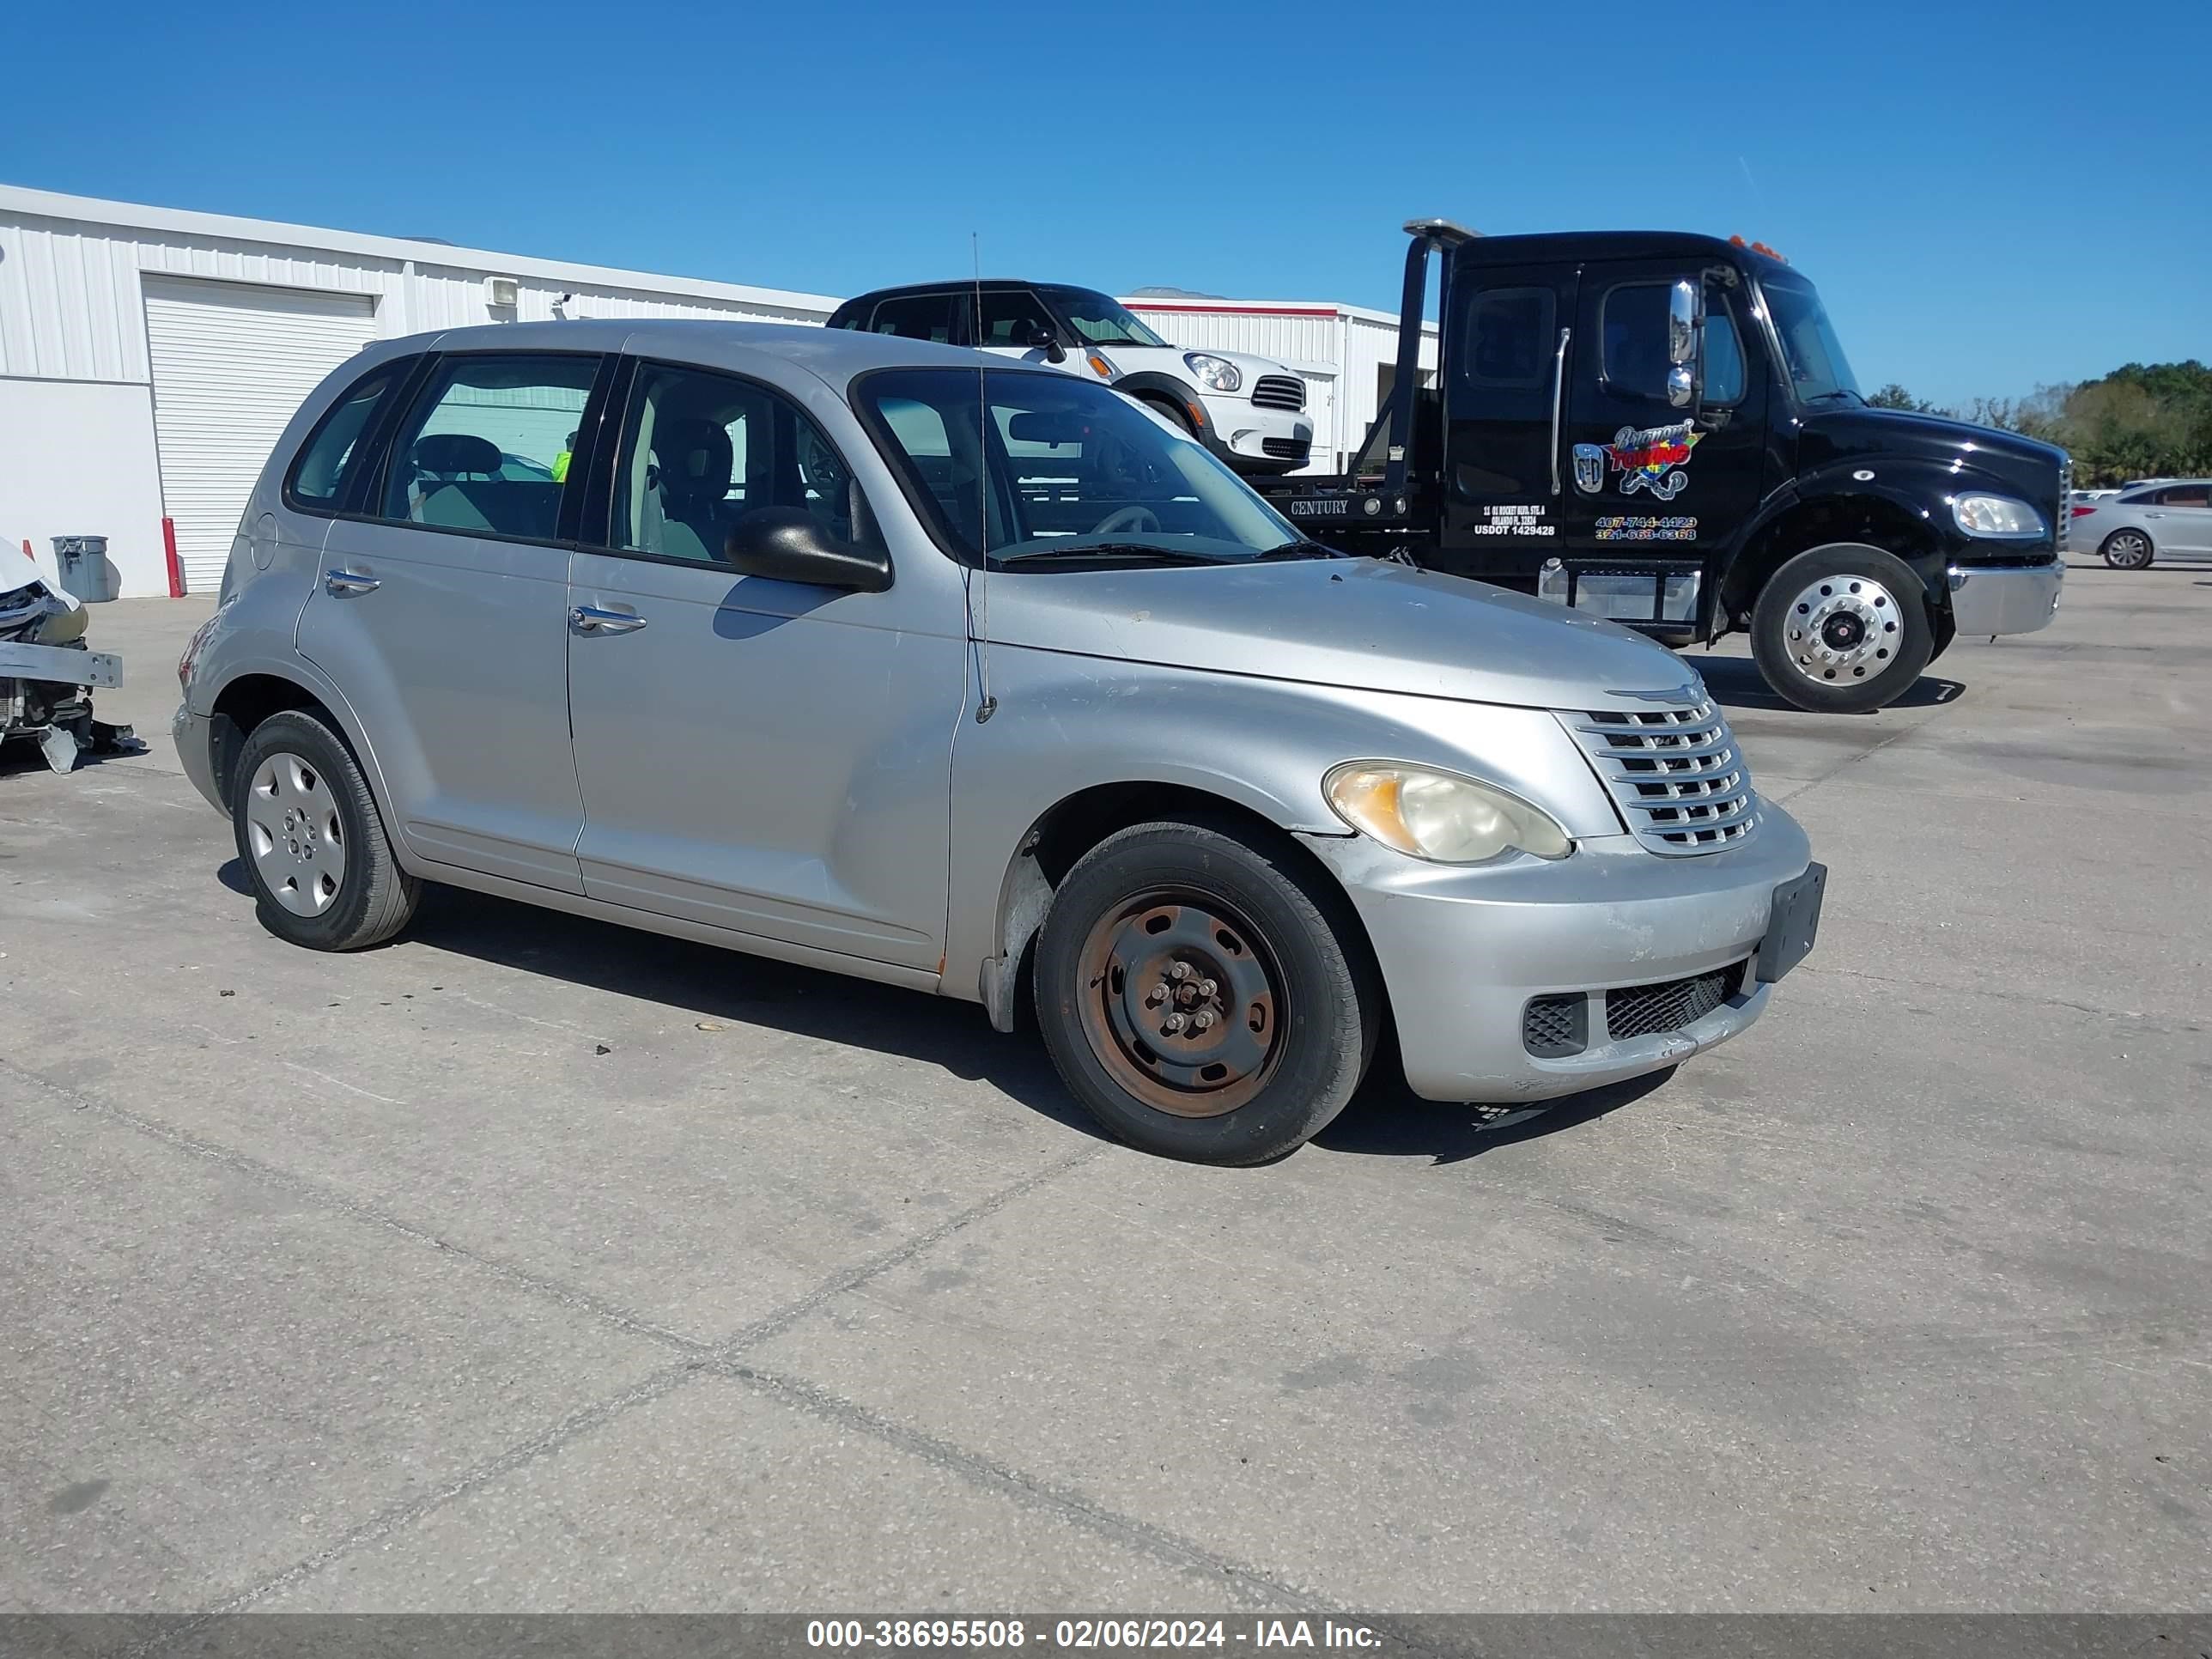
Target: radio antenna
979,582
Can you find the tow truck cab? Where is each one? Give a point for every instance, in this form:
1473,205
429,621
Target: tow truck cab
1663,428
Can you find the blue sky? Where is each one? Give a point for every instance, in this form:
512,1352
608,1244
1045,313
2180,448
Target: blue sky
1990,195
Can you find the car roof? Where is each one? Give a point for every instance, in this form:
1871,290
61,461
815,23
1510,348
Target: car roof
988,284
833,354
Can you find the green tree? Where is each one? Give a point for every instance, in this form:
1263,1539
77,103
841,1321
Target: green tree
1895,395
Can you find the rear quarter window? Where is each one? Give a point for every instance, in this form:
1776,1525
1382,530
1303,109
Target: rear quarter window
330,460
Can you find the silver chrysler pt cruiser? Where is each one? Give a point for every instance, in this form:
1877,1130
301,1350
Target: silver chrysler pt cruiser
899,660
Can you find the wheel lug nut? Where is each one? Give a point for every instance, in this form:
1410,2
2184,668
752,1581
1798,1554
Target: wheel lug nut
1180,972
1175,1023
1206,987
1205,1018
1156,995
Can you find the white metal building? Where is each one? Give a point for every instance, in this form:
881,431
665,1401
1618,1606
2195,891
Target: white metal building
150,356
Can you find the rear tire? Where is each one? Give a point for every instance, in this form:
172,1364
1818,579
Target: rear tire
2128,550
1204,995
312,840
1842,629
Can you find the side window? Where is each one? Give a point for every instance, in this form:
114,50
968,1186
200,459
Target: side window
1510,333
1723,351
1634,324
700,450
2183,495
487,446
325,463
914,317
1010,317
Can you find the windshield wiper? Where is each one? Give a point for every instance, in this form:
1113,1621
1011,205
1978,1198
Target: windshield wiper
1836,391
1303,548
1112,551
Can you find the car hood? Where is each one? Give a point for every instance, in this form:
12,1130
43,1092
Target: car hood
2026,464
1362,623
1167,360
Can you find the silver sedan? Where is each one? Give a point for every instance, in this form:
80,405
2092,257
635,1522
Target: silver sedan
2170,518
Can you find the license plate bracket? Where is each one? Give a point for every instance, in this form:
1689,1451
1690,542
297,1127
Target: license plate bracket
1793,921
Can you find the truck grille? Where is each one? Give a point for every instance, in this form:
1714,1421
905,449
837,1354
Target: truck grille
1279,391
1673,773
1648,1010
2065,519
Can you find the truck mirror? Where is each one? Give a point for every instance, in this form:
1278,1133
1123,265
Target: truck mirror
1682,323
1684,338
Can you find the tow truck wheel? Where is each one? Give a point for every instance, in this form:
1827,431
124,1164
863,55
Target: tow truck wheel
2127,550
1205,995
312,840
1842,629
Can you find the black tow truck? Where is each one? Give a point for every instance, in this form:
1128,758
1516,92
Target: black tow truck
1660,428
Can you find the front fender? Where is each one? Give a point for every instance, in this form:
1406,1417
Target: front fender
1148,384
1065,723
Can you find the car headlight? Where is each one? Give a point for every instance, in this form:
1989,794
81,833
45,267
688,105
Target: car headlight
1995,515
1214,374
1439,816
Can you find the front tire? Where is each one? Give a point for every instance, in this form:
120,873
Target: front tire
1204,995
2128,550
1842,629
312,840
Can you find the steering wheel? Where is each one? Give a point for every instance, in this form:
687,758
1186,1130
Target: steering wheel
1137,517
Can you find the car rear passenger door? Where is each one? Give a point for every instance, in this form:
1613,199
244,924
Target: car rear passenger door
441,613
2181,522
765,756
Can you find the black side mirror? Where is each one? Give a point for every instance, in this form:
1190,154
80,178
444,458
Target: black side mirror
789,545
1041,338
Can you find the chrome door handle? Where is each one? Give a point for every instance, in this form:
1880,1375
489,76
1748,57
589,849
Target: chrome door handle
590,619
1558,389
340,583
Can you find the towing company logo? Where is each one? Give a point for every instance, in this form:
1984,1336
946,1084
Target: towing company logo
1652,457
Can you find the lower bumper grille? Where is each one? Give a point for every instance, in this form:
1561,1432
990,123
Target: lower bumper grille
1554,1027
1649,1010
1286,449
1557,1026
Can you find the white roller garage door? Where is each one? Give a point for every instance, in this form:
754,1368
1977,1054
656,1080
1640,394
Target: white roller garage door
231,366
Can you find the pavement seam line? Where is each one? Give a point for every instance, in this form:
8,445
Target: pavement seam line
700,1359
1257,1587
353,1209
1898,735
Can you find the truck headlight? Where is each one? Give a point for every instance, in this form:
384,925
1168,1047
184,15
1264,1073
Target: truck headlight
1439,816
1214,374
1995,515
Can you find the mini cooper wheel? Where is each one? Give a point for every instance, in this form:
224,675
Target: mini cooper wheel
309,834
1842,629
1204,997
2127,550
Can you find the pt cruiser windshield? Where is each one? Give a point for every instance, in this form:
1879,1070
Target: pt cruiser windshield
1062,470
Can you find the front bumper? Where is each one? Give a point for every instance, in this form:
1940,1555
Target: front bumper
1463,950
1243,432
194,737
2005,598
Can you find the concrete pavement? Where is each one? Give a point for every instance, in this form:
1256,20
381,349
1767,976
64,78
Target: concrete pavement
371,1283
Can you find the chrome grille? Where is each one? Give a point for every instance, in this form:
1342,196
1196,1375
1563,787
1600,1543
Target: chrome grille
2065,505
1279,391
1675,774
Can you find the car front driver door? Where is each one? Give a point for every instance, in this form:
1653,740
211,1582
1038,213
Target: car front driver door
766,756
